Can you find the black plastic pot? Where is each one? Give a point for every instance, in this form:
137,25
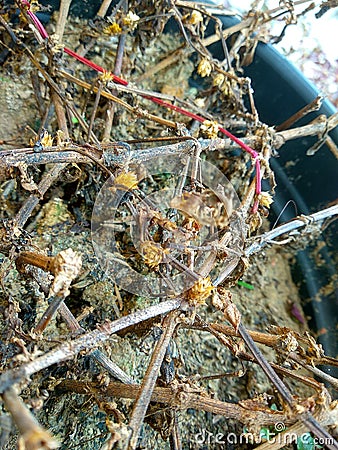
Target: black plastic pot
309,181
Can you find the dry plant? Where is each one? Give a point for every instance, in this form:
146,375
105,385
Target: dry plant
97,136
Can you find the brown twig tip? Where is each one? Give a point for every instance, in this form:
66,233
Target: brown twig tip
65,267
32,435
222,300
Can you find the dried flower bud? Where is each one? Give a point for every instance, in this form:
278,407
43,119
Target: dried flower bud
126,180
130,20
209,129
34,6
194,18
112,29
152,253
106,76
46,139
199,102
200,291
265,199
66,267
222,300
218,80
204,68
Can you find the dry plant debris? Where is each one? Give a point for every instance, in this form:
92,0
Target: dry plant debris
147,157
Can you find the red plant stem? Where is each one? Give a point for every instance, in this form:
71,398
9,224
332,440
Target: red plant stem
94,66
35,20
160,102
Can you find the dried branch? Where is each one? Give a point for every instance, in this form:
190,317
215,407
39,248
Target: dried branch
318,126
144,397
134,110
179,397
62,18
289,229
104,8
311,107
32,435
86,342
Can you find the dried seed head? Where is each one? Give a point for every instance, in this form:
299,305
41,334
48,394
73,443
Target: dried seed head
200,291
152,253
218,80
204,68
126,180
112,29
194,18
66,267
46,140
265,199
130,20
106,76
209,129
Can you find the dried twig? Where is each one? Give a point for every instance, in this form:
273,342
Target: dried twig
86,342
32,435
181,397
289,229
318,126
149,380
313,106
63,13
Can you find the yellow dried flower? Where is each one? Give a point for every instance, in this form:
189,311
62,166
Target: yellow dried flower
163,222
130,20
209,128
199,102
152,253
225,89
204,68
34,6
60,137
265,199
200,291
194,18
113,29
106,76
46,139
126,180
218,80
